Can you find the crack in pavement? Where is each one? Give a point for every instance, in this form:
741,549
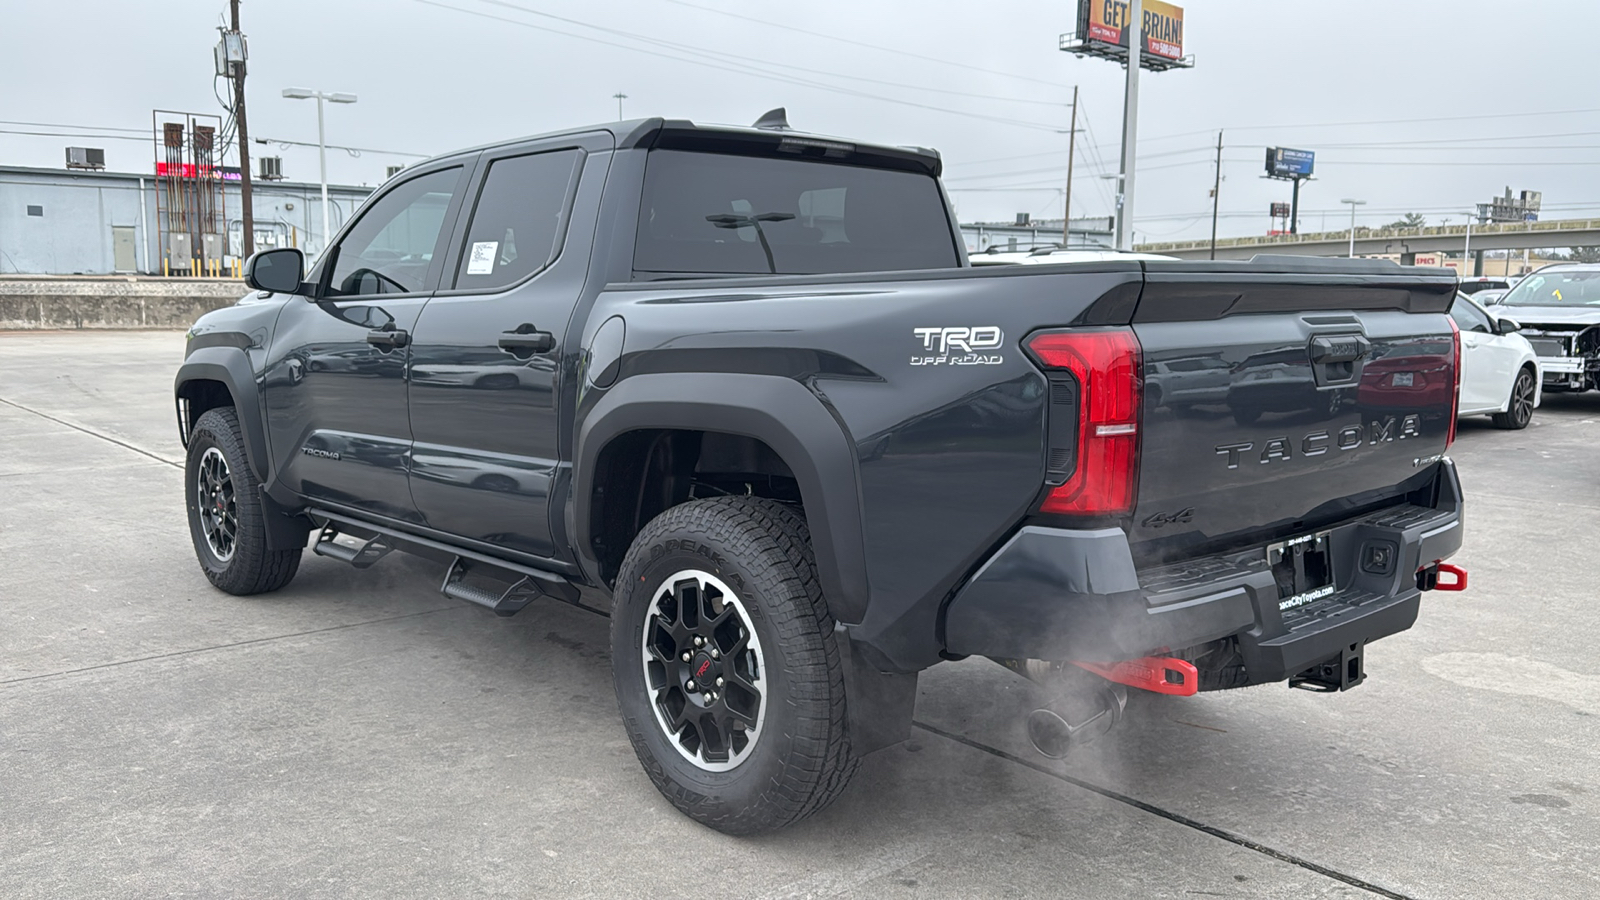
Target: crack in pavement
1170,816
229,646
92,433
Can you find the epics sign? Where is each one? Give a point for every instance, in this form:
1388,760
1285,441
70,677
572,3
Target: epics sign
959,345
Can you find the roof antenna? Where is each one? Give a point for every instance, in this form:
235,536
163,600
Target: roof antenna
774,120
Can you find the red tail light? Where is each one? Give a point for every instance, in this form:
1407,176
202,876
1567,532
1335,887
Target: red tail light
1105,365
1455,395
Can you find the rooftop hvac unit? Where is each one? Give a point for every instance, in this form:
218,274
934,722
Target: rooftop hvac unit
391,171
271,168
86,158
1023,218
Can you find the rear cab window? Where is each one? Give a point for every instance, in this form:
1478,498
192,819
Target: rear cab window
721,214
519,219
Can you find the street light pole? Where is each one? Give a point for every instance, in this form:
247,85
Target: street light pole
1072,143
1353,205
322,147
620,96
1216,197
1466,249
1130,125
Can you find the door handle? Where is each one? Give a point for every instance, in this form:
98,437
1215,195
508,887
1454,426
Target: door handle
390,338
527,340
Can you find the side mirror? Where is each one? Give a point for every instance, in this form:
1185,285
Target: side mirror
278,270
1509,325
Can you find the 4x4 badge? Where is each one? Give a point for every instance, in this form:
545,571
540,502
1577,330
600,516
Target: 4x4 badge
1180,517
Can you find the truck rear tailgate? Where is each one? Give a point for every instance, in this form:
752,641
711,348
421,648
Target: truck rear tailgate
1281,395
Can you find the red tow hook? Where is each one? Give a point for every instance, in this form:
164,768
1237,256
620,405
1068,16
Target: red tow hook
1157,674
1441,576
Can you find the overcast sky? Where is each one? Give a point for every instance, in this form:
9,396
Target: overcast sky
983,83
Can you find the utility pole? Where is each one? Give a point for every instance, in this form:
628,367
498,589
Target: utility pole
620,96
1216,197
1130,126
1072,142
247,212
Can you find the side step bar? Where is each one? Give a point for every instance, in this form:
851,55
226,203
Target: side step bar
526,582
507,603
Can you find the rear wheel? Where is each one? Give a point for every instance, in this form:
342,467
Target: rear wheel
1519,409
726,666
226,521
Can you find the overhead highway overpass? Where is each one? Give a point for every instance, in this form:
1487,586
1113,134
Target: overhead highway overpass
1374,241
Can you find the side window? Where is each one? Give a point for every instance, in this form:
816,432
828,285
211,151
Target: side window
1469,318
519,220
389,249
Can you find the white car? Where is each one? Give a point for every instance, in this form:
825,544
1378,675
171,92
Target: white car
1472,284
1057,257
1046,256
1499,370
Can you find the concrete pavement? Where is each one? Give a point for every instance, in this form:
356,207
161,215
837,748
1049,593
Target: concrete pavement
359,735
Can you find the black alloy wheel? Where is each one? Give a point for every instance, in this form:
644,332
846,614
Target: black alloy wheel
703,666
219,512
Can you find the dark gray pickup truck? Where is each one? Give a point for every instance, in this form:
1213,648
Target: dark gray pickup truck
742,381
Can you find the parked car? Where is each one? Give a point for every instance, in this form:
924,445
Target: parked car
1472,284
1042,256
806,453
1558,308
1499,368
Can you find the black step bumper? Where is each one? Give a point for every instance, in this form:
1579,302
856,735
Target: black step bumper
1067,594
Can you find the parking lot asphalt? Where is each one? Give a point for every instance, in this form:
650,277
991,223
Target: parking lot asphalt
357,734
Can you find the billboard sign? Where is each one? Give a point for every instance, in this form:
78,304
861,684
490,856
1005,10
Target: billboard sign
1285,163
1280,210
1106,22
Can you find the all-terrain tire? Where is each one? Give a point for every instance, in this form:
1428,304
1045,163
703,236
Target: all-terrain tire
800,760
1519,406
249,567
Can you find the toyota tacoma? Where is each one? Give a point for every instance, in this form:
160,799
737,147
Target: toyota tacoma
742,383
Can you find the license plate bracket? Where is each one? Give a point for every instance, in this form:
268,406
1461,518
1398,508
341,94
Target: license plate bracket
1303,569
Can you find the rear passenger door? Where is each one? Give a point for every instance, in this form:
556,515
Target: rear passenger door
489,359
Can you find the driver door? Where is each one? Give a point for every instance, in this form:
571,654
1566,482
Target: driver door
335,388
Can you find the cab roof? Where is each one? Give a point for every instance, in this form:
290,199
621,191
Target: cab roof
771,136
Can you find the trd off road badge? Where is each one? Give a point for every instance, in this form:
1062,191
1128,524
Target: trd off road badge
958,345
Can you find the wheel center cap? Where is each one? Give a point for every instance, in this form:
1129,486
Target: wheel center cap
700,666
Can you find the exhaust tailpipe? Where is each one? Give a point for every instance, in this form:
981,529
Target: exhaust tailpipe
1073,720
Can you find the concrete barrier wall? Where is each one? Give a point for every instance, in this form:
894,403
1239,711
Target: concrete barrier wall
67,303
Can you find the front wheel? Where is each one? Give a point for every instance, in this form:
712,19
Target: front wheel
1519,409
226,520
726,667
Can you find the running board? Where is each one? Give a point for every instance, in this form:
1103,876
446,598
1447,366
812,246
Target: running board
506,603
376,548
530,582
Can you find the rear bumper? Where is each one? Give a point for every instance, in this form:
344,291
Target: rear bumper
1063,594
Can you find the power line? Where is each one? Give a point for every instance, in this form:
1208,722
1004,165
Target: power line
143,131
737,69
285,143
878,47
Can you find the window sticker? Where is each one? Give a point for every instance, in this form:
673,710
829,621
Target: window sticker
481,262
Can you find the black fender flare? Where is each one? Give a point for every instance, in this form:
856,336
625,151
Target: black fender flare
779,411
231,366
